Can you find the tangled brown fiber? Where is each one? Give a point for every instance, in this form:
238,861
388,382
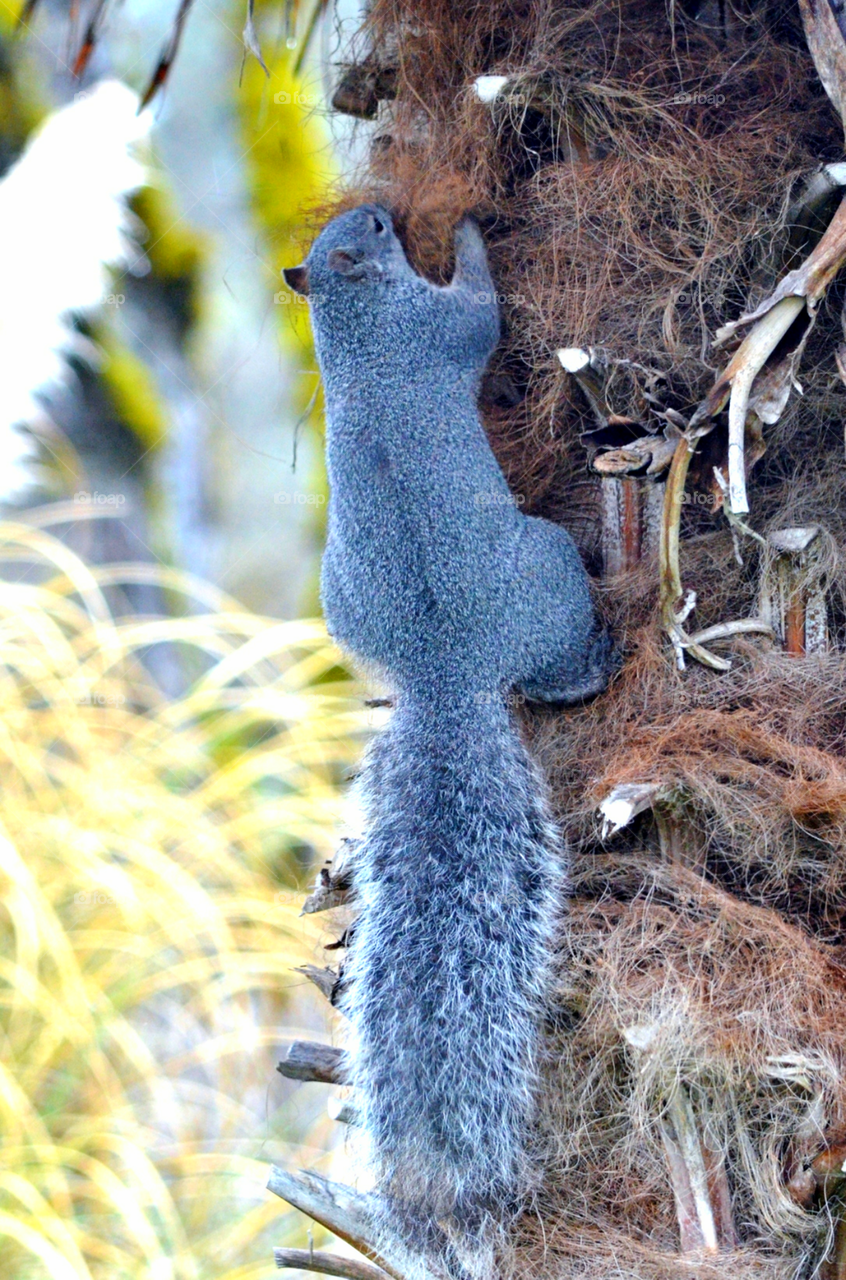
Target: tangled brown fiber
634,189
636,186
669,979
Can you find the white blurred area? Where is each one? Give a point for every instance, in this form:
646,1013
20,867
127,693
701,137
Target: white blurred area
218,492
64,224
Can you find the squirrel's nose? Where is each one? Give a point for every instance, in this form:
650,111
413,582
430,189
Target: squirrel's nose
296,278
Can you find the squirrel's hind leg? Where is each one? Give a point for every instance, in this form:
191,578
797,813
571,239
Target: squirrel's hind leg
560,686
566,656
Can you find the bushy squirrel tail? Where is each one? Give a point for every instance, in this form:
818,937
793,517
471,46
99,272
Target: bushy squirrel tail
458,879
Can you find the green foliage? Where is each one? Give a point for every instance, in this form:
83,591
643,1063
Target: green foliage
132,389
289,158
175,252
290,162
19,110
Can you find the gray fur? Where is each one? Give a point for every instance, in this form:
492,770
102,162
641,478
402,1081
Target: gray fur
434,575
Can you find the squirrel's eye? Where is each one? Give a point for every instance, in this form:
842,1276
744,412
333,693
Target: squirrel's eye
378,226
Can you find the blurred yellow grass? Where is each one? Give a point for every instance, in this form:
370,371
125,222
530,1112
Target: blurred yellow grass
148,921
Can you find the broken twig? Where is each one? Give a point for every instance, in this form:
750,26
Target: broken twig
346,1212
622,805
760,375
825,36
306,1060
326,980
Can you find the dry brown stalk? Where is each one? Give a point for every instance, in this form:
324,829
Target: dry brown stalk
339,1208
328,1264
306,1060
672,614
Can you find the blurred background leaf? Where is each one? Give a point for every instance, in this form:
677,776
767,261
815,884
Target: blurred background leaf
152,854
174,738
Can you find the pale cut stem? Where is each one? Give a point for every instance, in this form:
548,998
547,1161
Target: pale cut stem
751,357
742,626
693,1199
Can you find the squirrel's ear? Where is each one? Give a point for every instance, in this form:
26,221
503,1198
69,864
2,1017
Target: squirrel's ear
296,278
347,262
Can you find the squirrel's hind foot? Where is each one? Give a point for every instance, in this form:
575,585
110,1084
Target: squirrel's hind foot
604,660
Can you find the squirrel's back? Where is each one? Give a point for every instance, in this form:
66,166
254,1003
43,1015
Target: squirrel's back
428,552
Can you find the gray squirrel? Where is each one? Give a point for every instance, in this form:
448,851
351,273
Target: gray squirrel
433,576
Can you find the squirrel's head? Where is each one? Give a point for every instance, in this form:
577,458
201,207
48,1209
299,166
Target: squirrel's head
355,248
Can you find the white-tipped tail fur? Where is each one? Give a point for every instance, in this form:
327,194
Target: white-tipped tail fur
459,881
